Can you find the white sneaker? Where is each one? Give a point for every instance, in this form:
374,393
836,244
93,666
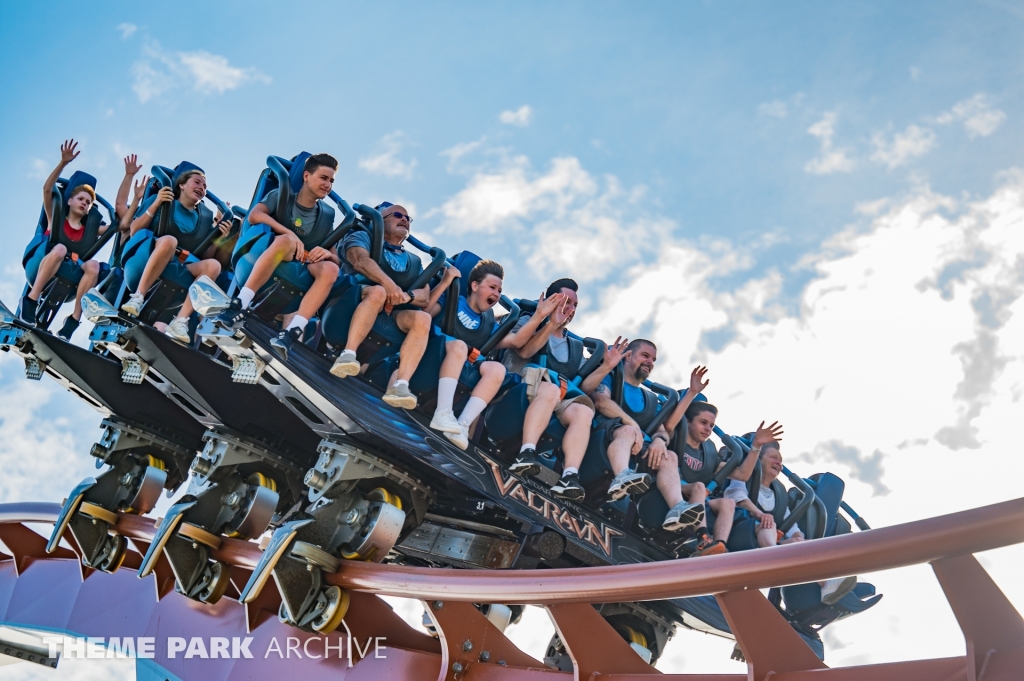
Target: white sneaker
134,304
445,421
346,365
835,589
178,330
461,438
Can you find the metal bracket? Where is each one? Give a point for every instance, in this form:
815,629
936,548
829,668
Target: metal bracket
34,368
133,370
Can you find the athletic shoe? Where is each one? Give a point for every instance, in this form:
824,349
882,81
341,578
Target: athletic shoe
526,463
400,396
284,341
134,304
569,487
232,317
178,330
709,546
627,482
683,515
461,438
835,589
348,365
28,310
66,331
445,421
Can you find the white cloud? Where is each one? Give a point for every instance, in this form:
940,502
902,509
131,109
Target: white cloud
915,73
904,146
159,71
831,160
460,151
979,117
385,161
521,117
40,169
127,30
776,108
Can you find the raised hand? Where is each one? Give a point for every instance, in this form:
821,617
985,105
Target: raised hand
67,152
763,436
131,165
547,305
697,382
616,352
451,273
140,188
560,317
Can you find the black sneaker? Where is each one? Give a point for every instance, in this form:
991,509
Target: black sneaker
526,463
569,487
28,310
232,317
66,331
284,341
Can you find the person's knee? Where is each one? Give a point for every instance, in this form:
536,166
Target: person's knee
91,267
324,270
59,251
493,370
281,242
670,461
579,413
374,297
547,393
419,322
457,348
624,434
165,243
211,268
725,506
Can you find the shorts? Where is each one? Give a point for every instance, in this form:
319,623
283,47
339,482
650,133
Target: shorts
534,375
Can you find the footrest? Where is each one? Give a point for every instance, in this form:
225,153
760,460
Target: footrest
133,370
34,369
246,369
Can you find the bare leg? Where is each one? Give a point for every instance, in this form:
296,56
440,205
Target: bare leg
47,269
90,275
766,538
668,479
455,354
538,414
491,376
210,268
725,510
620,448
696,493
163,251
416,325
325,273
281,249
374,298
576,419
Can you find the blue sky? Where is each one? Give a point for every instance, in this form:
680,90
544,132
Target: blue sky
822,201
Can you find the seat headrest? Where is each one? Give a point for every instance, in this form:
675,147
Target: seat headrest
465,261
182,168
78,178
298,168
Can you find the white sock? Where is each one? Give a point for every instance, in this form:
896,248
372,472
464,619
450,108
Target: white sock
246,295
400,381
446,393
570,470
472,410
350,350
298,321
527,445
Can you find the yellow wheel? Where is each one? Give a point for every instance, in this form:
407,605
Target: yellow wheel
381,494
635,636
263,481
337,607
155,462
219,579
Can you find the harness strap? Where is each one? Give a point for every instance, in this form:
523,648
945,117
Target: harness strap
182,255
74,257
474,354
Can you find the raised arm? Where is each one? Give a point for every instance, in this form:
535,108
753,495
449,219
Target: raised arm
762,437
124,225
131,169
615,353
67,155
697,385
530,338
144,221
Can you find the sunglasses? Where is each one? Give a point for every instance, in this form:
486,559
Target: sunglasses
399,215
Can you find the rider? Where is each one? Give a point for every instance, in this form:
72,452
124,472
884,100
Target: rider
700,461
298,239
75,237
386,300
186,231
628,435
474,325
561,353
768,506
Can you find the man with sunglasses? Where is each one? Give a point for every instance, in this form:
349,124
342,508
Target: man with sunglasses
387,300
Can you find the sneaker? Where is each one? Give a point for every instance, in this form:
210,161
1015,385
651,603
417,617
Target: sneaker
683,515
232,317
66,331
134,304
627,482
284,341
348,365
526,463
461,438
569,487
709,546
178,330
28,310
445,421
400,396
835,589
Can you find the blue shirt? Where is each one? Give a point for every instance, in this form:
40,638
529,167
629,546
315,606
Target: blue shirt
396,256
184,219
632,395
467,317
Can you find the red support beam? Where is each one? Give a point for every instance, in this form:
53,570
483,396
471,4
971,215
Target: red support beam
27,546
989,621
769,644
594,646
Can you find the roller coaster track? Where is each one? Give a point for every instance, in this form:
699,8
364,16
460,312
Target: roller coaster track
40,591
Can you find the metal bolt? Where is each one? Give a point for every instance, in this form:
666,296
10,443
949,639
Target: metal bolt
485,656
503,663
352,516
309,567
195,545
231,499
467,645
457,667
438,605
315,479
126,479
